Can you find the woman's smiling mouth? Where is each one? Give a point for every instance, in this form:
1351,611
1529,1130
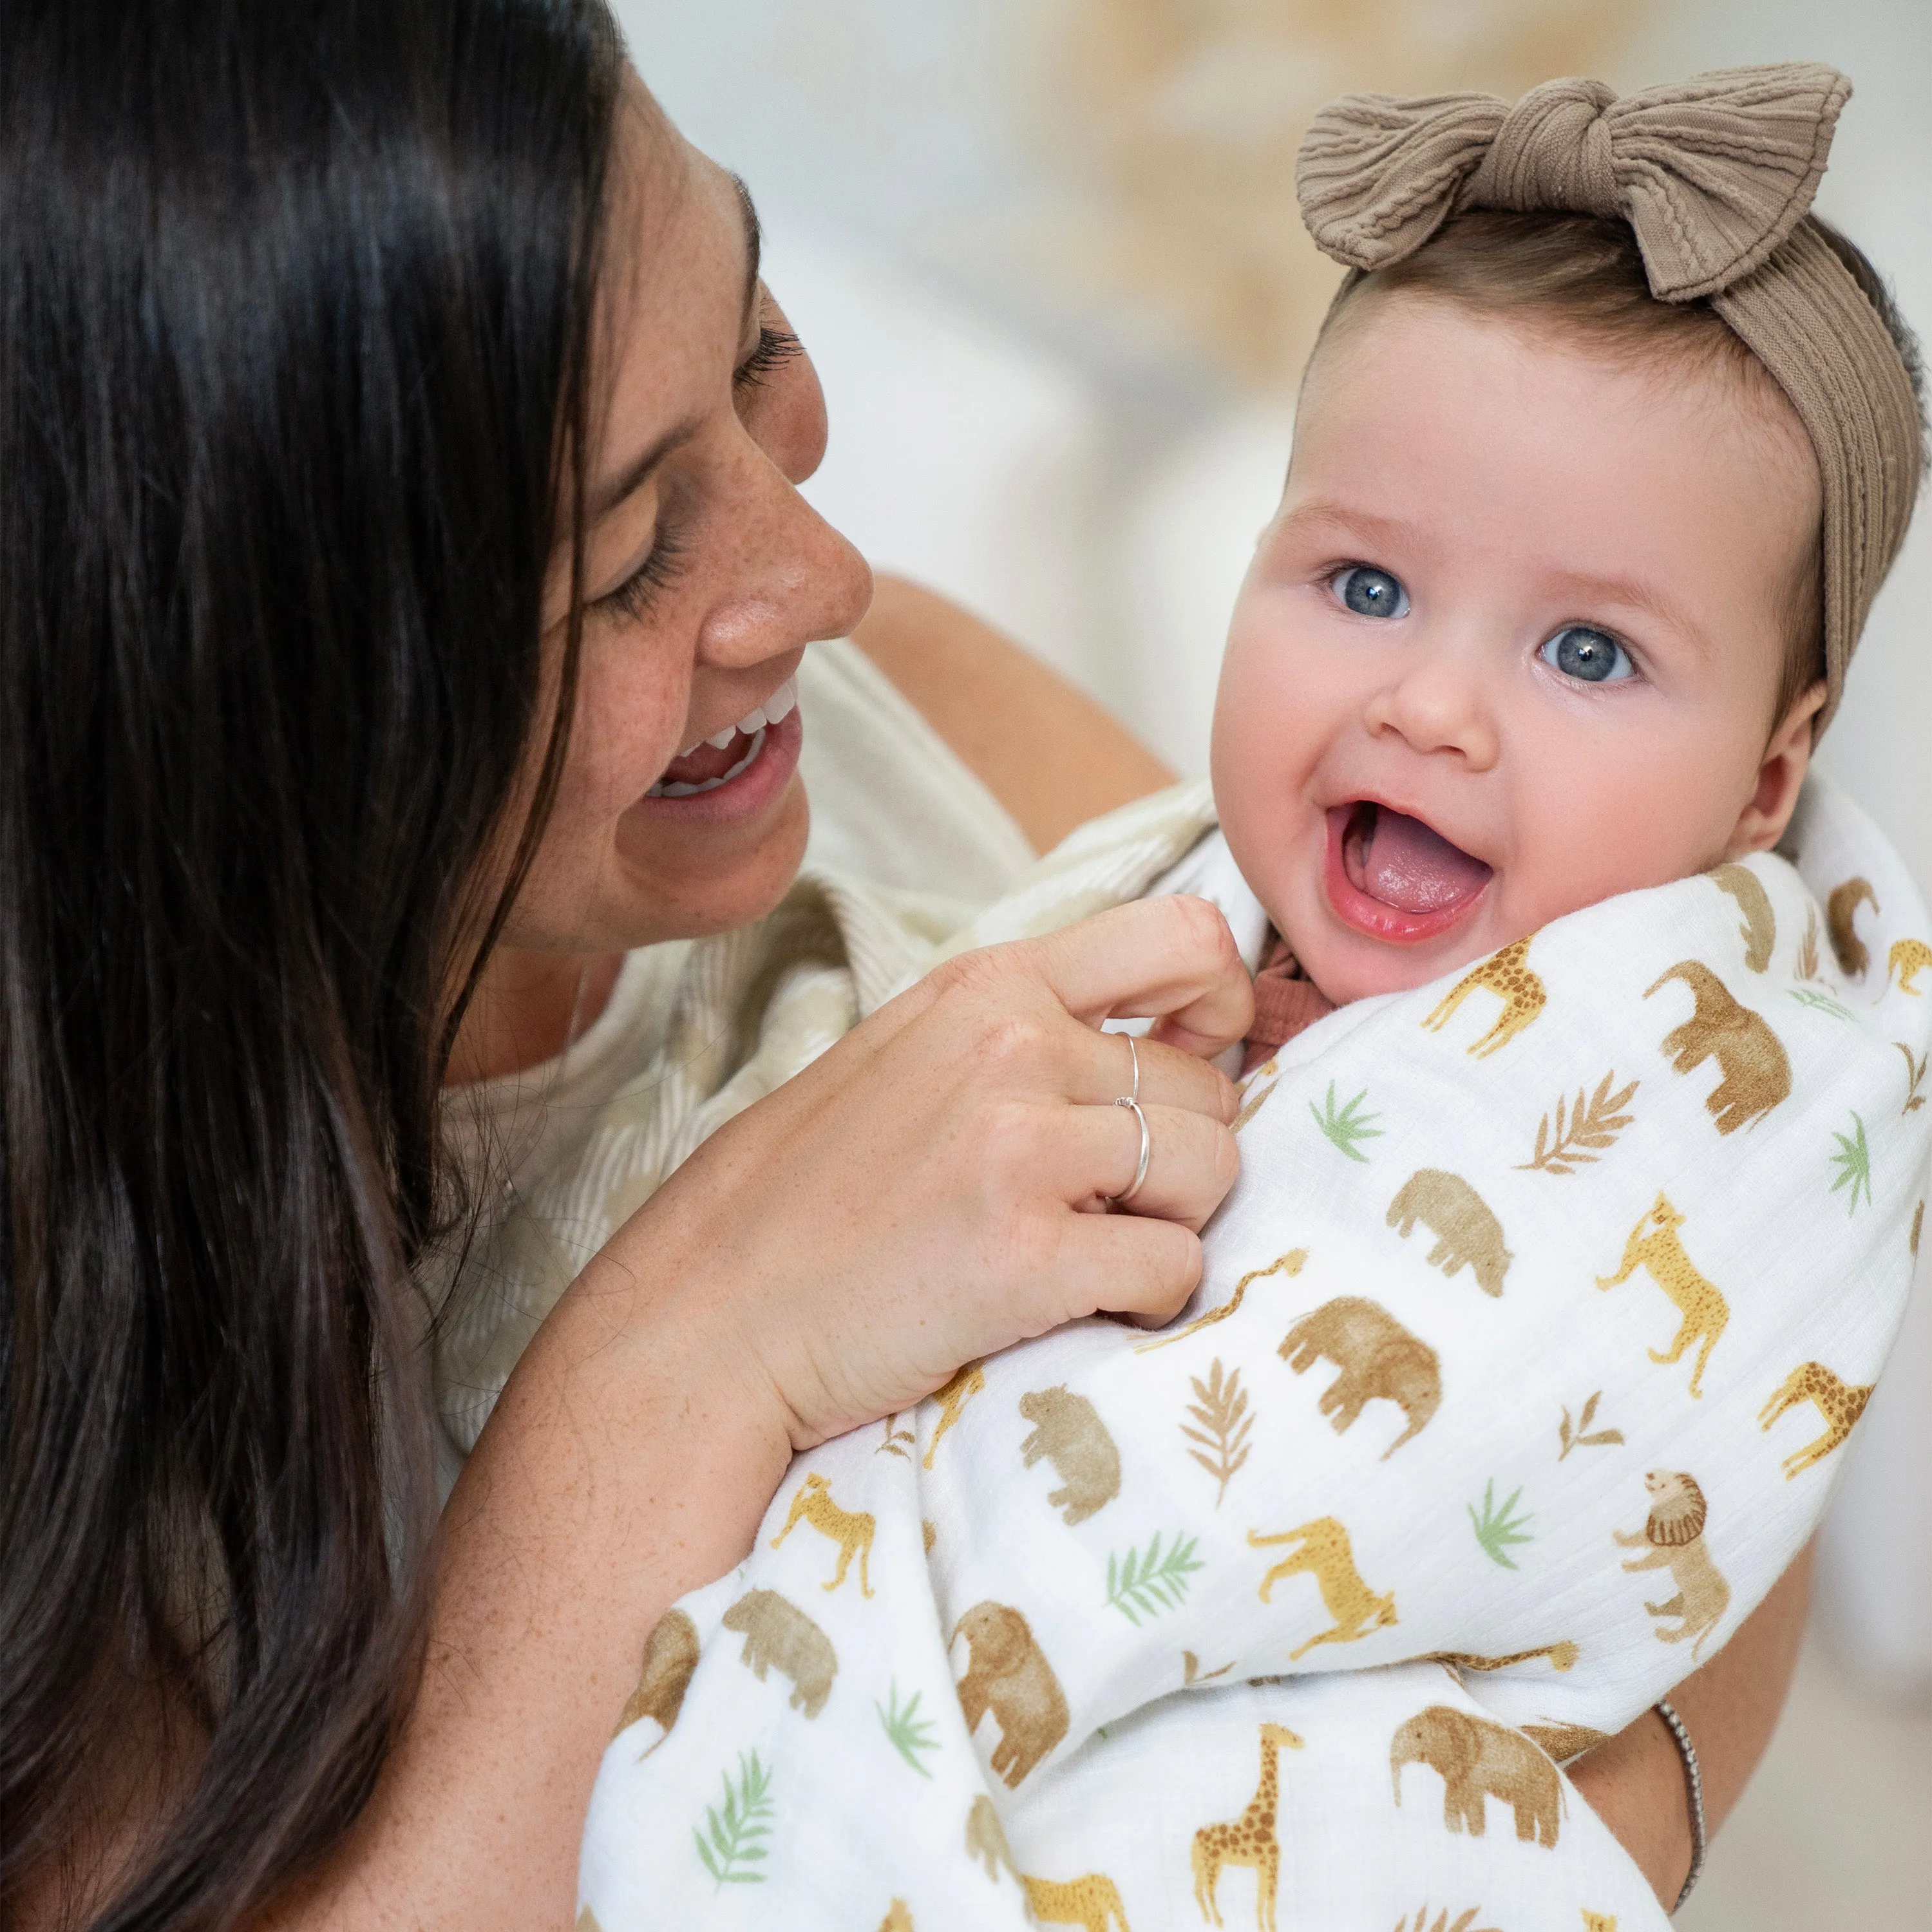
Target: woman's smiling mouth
716,760
1393,878
733,776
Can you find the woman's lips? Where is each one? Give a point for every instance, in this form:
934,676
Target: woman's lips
1393,878
754,773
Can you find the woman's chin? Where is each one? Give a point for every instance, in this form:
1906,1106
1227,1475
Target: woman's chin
689,878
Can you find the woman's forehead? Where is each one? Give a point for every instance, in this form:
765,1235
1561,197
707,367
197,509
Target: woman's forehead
680,267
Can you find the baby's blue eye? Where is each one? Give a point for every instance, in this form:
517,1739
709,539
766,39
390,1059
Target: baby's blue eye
1370,593
1592,657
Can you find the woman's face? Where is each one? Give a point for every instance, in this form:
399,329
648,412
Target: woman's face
705,575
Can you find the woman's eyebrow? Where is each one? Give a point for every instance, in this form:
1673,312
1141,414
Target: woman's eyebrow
754,237
635,474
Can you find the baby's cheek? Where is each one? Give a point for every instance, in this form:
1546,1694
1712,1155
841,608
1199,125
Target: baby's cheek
1599,834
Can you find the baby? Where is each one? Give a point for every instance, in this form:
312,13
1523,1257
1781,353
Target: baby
1602,454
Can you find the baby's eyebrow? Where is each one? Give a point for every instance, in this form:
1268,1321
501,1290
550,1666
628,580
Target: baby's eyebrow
1633,593
1396,532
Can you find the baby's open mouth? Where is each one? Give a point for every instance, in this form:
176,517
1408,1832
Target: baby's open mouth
1403,863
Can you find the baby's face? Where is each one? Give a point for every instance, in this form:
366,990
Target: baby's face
1510,646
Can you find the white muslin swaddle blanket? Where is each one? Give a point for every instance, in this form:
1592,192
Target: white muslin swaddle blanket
1522,1365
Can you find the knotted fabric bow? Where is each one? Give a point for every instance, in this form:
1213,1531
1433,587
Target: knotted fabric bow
1715,177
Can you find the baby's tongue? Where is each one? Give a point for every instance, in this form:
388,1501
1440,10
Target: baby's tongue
1399,860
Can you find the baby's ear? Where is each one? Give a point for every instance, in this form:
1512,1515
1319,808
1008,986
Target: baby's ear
1787,757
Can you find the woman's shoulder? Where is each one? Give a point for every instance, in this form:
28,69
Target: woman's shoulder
893,802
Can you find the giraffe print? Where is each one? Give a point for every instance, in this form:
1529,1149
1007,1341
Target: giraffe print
1839,1403
1506,974
1248,1840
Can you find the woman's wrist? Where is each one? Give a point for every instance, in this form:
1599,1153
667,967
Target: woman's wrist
1635,1783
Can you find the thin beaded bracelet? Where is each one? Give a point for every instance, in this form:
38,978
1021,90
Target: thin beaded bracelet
1694,1783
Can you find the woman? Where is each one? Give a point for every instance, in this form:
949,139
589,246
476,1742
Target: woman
401,453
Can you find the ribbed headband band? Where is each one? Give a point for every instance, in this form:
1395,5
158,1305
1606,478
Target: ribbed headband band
1715,177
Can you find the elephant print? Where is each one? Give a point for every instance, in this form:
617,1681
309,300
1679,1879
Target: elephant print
1067,1430
1378,1358
778,1635
1007,1674
1759,930
1467,1234
670,1656
1840,912
1564,1741
1477,1759
1756,1070
986,1840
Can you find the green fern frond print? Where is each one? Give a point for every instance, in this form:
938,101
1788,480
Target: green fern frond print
907,1731
1144,1583
1823,1003
1853,1161
731,1848
1496,1529
1345,1126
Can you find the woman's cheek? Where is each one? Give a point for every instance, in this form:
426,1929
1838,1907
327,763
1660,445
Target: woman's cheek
627,730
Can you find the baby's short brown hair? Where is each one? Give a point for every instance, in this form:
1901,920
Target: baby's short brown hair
1583,274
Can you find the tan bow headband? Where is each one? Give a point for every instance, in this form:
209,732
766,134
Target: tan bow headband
1715,177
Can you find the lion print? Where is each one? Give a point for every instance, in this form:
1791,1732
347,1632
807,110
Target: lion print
1672,1539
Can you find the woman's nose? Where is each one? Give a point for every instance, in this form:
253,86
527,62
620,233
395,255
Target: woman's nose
798,580
1438,703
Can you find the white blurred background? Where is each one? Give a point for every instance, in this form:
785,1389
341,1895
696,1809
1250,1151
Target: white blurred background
1046,255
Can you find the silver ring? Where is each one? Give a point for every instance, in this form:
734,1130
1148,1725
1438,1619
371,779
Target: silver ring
1134,1055
1127,1194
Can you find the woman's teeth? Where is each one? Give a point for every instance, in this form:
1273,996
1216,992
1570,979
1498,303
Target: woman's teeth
672,788
775,708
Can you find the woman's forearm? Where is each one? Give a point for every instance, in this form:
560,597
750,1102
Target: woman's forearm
621,1469
1635,1782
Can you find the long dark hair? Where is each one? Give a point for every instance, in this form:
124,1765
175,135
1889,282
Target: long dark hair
295,304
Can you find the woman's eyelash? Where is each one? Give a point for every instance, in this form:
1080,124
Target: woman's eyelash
776,347
633,597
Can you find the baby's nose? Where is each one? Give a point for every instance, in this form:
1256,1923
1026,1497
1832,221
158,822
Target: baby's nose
1437,704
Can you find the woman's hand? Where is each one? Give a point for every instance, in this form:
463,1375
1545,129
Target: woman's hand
934,1187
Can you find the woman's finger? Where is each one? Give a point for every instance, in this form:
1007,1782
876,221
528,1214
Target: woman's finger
1170,959
1168,1077
1121,1265
1191,1161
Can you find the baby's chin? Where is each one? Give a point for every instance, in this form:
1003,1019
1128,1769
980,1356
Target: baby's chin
1359,969
1391,905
